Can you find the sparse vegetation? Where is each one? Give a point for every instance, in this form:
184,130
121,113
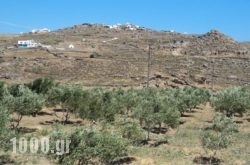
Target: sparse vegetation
51,41
120,121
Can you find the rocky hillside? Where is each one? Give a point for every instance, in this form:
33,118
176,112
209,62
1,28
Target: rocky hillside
117,55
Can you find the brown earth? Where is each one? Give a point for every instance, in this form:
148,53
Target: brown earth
111,57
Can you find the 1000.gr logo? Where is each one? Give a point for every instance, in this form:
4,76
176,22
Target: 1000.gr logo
61,146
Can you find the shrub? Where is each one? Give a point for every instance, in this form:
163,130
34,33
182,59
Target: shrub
5,132
89,147
98,105
222,123
219,134
189,98
24,102
131,130
231,101
69,98
3,90
153,108
41,85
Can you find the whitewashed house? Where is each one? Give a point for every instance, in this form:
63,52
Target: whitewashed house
38,31
26,44
71,46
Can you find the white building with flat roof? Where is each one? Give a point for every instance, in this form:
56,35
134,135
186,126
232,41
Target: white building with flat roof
38,31
27,44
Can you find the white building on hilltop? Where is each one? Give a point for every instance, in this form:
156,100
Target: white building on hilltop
38,31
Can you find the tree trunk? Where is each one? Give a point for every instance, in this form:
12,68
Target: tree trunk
19,118
159,126
141,120
148,130
148,133
66,118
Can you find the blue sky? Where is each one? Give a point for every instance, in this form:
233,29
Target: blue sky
232,17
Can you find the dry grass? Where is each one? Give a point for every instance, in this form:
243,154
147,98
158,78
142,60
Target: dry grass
184,143
182,147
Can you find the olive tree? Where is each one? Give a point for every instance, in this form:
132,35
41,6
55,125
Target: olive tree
89,147
99,105
146,109
128,100
131,130
5,131
24,102
231,101
153,108
68,97
41,85
188,98
219,135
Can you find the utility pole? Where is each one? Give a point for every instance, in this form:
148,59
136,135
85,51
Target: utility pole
188,66
149,64
212,73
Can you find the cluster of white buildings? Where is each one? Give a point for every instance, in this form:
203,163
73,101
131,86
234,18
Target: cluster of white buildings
126,26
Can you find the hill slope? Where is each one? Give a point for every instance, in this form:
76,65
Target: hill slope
118,56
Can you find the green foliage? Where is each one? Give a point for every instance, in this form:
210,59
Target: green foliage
5,132
69,97
95,104
4,118
231,101
155,108
44,132
189,98
219,134
128,100
41,85
55,96
23,101
26,102
131,130
215,141
169,114
147,108
3,90
89,147
16,90
222,123
99,105
5,96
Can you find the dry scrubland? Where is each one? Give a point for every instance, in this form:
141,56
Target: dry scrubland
110,58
